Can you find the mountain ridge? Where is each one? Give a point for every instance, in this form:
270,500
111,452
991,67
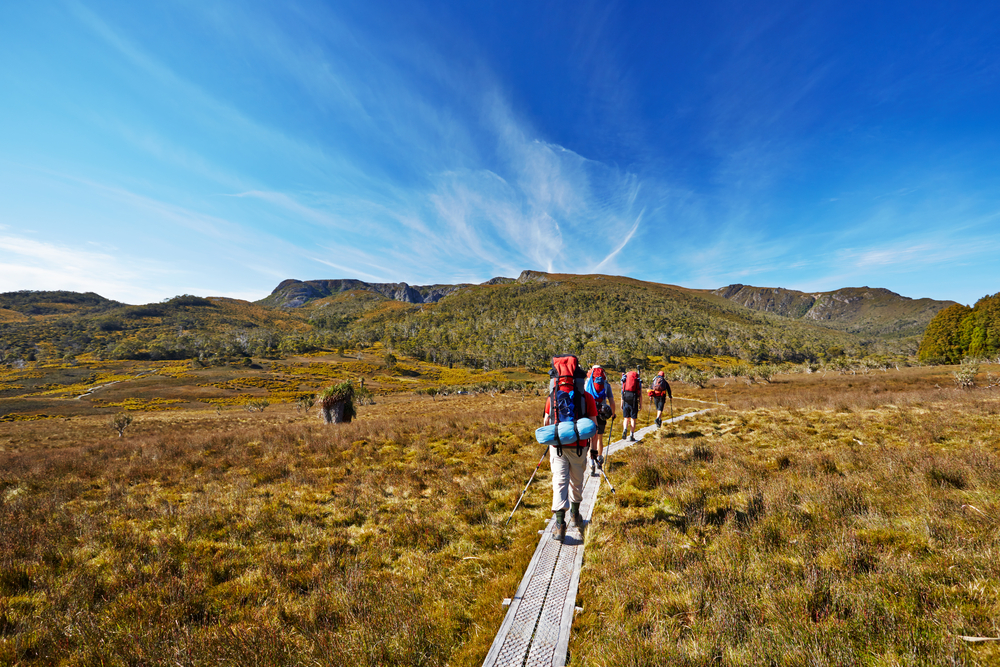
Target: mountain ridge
864,310
502,321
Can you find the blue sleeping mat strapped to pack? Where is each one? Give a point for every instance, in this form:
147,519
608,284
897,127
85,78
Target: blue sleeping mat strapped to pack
546,435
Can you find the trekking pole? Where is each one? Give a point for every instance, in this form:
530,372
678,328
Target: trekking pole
527,485
671,408
607,447
608,480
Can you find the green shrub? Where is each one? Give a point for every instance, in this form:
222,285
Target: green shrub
337,403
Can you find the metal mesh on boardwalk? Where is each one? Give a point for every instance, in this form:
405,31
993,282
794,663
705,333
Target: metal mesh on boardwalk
522,631
542,651
536,629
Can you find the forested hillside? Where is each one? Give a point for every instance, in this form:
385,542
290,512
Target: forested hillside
861,310
500,323
959,331
44,326
611,320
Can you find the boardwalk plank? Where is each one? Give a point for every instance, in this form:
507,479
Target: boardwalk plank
536,629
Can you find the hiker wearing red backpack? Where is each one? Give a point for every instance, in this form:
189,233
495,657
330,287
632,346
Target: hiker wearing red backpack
631,402
659,392
567,401
599,387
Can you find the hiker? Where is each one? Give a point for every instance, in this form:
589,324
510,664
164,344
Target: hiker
599,387
568,460
631,402
659,392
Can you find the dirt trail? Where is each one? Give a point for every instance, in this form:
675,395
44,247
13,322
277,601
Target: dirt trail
108,384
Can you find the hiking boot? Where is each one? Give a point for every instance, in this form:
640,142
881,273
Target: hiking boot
577,519
631,437
659,422
600,462
559,531
624,434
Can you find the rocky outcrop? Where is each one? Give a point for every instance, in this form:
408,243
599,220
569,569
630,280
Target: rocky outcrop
788,303
873,310
295,293
532,276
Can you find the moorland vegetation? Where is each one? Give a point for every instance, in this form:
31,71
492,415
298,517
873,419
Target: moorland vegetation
853,521
822,518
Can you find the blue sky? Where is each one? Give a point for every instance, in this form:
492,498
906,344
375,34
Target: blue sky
219,147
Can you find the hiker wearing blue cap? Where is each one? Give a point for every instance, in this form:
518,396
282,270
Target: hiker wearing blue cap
599,387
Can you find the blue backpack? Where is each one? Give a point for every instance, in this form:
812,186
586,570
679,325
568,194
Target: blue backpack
597,385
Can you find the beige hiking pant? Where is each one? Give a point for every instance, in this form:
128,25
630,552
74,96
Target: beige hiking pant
567,475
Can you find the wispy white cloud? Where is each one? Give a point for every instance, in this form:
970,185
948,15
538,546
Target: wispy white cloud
429,170
353,271
190,219
622,245
908,256
493,195
33,264
163,149
291,205
217,113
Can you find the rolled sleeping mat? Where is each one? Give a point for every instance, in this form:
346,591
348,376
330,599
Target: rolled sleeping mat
546,435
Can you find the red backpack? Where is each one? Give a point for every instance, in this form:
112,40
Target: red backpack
565,371
597,384
567,401
631,382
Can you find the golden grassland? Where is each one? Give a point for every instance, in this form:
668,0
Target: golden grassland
817,519
826,522
265,539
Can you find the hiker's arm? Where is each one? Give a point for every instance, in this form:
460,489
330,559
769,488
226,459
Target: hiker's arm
547,419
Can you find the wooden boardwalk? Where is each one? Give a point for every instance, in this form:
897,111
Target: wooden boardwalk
537,626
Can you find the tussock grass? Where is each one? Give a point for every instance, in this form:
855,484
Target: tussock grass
268,542
861,528
834,519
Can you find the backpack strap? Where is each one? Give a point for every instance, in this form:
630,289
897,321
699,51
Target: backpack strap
554,414
580,409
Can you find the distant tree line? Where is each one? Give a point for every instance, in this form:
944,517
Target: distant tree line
959,331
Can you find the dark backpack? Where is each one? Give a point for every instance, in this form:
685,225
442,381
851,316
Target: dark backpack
659,383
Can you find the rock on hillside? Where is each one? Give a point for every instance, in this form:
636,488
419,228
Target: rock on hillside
857,309
788,303
294,293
